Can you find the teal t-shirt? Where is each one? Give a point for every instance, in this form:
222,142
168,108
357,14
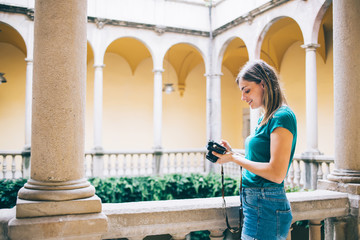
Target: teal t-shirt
257,145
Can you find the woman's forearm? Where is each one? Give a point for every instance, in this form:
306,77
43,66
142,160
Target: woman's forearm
265,170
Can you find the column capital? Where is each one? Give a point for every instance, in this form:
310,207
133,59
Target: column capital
213,74
310,46
99,65
158,70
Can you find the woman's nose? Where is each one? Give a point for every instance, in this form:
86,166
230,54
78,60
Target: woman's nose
242,97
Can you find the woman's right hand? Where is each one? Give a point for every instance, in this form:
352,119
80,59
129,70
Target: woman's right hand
226,145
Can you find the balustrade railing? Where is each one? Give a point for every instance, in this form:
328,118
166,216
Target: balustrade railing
303,172
10,164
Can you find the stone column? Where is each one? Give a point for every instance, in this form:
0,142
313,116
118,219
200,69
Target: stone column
346,90
213,111
57,158
346,174
157,119
28,103
57,186
213,106
311,115
98,166
98,105
311,99
254,118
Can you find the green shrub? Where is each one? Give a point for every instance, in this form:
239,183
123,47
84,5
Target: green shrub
166,187
8,191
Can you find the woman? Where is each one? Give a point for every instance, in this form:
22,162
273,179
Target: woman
268,155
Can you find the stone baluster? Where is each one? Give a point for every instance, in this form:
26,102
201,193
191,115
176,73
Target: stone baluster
289,234
320,173
314,174
315,229
179,236
217,234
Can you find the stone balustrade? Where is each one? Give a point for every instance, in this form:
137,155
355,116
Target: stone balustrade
304,172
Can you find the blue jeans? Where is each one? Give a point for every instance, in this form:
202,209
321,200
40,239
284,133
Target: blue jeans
267,214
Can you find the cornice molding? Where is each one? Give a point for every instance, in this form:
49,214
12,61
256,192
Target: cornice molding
29,12
157,28
160,29
249,16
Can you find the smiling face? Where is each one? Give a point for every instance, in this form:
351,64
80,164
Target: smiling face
252,93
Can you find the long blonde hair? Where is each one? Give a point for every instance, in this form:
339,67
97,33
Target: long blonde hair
259,72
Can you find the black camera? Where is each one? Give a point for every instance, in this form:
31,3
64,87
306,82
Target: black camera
214,146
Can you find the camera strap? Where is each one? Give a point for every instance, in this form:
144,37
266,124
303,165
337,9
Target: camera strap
232,230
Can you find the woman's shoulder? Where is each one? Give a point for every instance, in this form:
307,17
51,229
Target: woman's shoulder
284,112
284,117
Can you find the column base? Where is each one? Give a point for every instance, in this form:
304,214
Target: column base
70,227
35,190
345,176
351,188
26,208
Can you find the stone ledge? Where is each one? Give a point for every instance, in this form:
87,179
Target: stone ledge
26,209
140,219
84,226
5,216
319,204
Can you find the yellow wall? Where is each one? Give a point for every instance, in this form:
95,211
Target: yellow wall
12,98
127,105
231,110
326,102
184,118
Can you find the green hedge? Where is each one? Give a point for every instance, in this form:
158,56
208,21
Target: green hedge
167,187
133,189
8,191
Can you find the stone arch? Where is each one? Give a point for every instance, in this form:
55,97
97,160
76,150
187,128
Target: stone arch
274,39
132,43
9,34
322,28
233,49
318,20
183,57
13,51
90,52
